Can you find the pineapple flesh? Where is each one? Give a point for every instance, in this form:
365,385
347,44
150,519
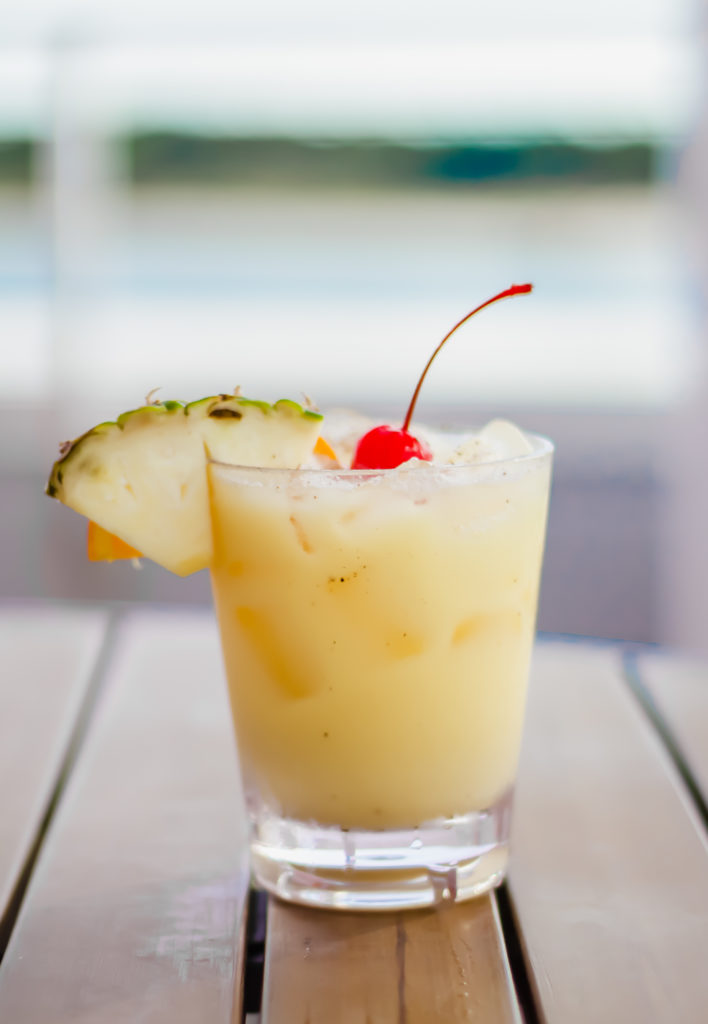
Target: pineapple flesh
143,477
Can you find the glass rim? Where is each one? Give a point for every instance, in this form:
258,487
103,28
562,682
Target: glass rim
543,447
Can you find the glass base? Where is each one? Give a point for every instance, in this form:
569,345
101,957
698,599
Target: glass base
442,861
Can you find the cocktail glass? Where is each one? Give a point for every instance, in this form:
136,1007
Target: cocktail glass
377,628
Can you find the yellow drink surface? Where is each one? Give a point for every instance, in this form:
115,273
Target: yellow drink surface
377,635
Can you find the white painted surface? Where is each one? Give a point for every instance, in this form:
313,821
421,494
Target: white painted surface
48,654
135,906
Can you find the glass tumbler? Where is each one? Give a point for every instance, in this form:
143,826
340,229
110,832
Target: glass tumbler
377,628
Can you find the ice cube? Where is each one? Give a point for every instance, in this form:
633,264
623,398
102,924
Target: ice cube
506,438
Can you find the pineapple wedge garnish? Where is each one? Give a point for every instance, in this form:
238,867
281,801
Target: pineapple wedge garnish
143,478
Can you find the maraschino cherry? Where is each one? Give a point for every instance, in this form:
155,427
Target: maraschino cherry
385,447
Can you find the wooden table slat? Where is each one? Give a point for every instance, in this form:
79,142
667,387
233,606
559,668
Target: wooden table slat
679,688
136,905
422,967
48,655
609,870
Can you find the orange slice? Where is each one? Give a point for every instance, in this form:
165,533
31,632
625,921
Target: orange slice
103,546
323,447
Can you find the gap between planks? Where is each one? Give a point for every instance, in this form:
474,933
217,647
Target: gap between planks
653,681
72,745
609,870
135,909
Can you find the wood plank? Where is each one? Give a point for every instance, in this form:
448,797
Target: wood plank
609,867
679,688
48,655
422,967
136,907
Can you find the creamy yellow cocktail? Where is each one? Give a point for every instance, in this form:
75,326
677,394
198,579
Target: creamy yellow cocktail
376,622
377,629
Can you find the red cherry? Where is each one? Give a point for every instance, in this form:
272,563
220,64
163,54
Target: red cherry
387,448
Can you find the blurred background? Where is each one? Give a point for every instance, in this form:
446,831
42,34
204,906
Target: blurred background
302,198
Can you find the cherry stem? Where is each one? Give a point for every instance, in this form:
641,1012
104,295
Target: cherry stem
516,289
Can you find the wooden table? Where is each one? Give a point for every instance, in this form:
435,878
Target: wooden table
124,877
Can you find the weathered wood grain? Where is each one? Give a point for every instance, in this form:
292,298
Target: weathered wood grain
609,867
135,910
419,967
679,689
136,907
47,654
